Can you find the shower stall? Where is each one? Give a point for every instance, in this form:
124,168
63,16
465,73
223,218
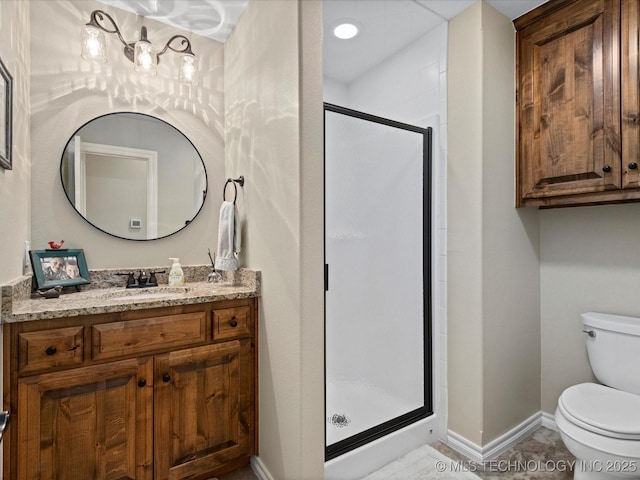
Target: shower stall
378,361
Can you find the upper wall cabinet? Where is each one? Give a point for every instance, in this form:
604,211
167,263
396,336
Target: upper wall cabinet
578,103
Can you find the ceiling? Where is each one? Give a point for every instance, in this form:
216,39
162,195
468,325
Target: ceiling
209,18
386,25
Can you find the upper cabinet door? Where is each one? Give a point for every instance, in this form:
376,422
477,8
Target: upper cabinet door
630,95
569,101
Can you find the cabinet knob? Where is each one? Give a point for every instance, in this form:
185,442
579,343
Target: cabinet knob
233,322
166,377
142,382
606,168
51,351
633,166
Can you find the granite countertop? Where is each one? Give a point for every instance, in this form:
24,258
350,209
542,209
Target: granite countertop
18,305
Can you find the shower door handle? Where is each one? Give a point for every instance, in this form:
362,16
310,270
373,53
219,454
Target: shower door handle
326,277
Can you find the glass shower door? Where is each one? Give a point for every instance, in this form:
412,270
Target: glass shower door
377,255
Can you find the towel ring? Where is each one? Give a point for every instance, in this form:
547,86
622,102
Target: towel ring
234,181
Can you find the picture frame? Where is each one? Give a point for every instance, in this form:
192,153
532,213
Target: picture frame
6,116
64,267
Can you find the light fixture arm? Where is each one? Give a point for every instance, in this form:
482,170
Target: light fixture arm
186,48
97,16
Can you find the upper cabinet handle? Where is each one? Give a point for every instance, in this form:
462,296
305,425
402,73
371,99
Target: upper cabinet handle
606,168
633,166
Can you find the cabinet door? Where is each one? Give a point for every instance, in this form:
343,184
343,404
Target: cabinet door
569,102
630,94
87,423
204,412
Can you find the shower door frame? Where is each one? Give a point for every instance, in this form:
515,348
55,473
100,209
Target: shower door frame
343,446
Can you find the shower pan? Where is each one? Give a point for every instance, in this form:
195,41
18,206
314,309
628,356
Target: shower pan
378,367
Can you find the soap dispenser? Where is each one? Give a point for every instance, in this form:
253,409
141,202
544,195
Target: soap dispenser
176,275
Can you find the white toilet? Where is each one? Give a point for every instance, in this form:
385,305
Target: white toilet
600,425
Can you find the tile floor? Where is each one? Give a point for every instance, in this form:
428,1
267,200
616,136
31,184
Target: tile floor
540,456
243,474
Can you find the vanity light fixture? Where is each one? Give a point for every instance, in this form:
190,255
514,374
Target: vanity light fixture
141,53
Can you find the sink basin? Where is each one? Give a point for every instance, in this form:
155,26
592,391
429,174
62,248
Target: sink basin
154,293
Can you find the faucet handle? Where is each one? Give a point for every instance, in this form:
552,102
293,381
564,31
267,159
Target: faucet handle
130,279
153,281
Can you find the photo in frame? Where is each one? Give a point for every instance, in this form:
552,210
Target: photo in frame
6,114
63,268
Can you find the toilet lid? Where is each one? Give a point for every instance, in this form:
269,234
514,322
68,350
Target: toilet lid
602,410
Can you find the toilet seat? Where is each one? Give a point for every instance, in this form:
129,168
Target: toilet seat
602,410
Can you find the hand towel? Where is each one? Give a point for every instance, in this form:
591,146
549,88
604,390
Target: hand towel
228,238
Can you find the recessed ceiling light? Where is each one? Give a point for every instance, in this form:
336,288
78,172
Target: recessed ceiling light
346,30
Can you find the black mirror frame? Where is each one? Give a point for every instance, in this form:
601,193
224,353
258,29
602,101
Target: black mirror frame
187,223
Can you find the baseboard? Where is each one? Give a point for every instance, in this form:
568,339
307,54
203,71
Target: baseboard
260,469
499,445
549,421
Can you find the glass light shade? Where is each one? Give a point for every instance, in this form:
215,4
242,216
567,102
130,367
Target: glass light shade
187,69
145,58
93,45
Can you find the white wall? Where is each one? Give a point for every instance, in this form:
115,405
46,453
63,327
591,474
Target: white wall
589,262
273,133
464,226
67,91
410,86
493,249
15,202
510,243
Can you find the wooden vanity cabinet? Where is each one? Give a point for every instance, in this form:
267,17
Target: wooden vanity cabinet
89,422
165,393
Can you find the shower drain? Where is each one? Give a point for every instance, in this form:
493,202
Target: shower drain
339,420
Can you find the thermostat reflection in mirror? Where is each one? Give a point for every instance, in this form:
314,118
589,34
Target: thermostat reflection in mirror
114,168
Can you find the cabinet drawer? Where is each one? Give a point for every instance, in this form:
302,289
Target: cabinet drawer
46,349
231,322
132,337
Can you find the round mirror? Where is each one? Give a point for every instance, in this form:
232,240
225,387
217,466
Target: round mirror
133,176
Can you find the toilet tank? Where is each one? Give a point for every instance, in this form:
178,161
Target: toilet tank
614,349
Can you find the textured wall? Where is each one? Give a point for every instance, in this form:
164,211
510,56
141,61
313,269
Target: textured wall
67,91
493,273
274,140
511,278
464,226
15,185
589,262
15,188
